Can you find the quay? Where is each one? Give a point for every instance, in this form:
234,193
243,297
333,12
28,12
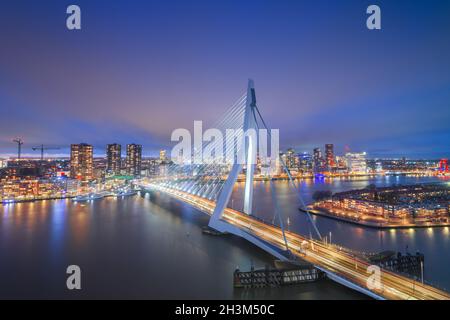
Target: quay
373,224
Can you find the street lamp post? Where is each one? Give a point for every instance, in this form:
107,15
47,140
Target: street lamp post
421,270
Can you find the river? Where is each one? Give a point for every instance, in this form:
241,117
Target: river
152,247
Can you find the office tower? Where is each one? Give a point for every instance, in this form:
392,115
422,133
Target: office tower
162,156
134,159
81,162
152,167
114,156
356,162
317,160
291,159
341,162
306,162
329,156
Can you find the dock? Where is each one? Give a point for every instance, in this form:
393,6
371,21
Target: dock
283,274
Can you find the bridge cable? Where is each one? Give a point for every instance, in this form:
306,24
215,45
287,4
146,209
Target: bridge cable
272,190
291,180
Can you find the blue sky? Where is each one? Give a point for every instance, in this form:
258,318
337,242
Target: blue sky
139,69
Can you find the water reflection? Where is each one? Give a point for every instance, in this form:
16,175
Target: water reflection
58,219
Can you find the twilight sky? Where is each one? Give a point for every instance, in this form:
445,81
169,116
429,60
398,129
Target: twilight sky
139,69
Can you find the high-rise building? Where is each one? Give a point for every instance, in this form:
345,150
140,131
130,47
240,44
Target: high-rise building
134,159
317,160
162,156
305,162
151,166
276,166
81,162
113,156
356,162
329,156
291,159
341,163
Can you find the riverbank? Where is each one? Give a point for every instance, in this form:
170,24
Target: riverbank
284,177
3,202
376,225
12,201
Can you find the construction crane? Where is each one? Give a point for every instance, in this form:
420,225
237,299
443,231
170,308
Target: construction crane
43,148
19,146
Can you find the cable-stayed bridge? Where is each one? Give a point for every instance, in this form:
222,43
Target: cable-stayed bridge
205,180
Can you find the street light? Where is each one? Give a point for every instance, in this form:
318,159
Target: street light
421,270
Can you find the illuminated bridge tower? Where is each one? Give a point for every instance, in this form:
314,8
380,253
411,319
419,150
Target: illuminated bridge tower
250,158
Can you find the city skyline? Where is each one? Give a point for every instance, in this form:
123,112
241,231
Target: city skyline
103,152
139,84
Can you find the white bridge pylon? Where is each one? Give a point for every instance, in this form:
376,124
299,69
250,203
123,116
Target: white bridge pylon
250,157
